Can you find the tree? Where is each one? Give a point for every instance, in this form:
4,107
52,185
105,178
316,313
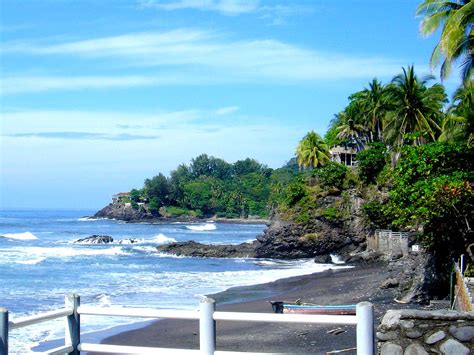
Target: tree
312,151
157,189
455,18
374,107
415,109
352,132
203,165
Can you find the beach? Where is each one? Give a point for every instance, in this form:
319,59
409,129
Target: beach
343,286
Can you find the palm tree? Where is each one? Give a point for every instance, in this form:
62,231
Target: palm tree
312,151
415,109
460,123
351,131
374,108
455,17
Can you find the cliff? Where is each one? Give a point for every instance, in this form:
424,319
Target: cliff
124,212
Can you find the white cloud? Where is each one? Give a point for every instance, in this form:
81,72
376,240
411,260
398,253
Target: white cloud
187,56
225,7
226,110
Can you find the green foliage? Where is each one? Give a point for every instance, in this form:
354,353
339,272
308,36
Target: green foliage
331,214
370,162
176,212
332,175
158,189
312,151
295,191
432,191
375,214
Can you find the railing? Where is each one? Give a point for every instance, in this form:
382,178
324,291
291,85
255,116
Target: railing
207,316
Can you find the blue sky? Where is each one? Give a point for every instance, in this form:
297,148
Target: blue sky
96,96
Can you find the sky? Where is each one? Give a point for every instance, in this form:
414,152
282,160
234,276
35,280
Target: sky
97,96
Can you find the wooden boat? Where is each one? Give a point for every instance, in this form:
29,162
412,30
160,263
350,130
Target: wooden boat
308,308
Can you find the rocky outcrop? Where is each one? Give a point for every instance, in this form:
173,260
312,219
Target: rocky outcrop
284,240
123,212
192,248
95,239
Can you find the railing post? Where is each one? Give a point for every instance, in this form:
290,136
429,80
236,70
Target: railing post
207,326
365,328
72,335
3,331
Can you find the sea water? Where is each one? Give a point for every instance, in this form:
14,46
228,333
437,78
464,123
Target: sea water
40,264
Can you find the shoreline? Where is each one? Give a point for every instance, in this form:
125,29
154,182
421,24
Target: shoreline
342,286
167,220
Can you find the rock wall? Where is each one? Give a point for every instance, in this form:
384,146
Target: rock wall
123,212
414,332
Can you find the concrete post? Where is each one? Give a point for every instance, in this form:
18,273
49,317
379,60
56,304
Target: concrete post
3,331
207,326
365,328
72,334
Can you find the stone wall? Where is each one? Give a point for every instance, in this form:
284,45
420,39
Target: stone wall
388,242
414,332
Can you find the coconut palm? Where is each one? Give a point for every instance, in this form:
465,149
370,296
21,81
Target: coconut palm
312,151
460,123
374,108
455,17
415,109
352,132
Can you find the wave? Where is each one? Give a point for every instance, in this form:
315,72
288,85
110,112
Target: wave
202,227
20,236
161,239
336,259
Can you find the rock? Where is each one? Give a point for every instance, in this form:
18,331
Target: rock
390,283
391,349
391,319
435,337
453,347
128,241
415,349
413,334
384,336
407,324
323,259
123,212
95,239
192,248
462,333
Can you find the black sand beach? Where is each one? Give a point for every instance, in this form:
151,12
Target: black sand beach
344,286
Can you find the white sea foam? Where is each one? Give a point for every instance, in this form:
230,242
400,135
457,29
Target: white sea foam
104,300
336,259
20,236
161,239
202,227
35,255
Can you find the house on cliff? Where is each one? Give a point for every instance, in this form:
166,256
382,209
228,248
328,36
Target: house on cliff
121,196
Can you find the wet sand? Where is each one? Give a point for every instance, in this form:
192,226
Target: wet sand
346,286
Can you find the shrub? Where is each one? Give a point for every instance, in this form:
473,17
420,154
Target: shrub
332,175
370,162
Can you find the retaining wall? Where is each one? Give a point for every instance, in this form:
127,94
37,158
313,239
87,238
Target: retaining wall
388,242
414,332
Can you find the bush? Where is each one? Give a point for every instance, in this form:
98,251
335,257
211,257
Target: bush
331,214
332,175
370,162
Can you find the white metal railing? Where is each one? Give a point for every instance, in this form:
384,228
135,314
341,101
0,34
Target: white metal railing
207,316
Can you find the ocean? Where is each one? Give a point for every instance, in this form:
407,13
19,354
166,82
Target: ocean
40,264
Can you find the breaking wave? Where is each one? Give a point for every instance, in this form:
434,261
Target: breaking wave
20,236
203,227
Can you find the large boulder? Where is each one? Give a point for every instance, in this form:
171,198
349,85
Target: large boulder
123,212
192,248
96,239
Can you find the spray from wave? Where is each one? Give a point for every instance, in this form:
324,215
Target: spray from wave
20,236
203,227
